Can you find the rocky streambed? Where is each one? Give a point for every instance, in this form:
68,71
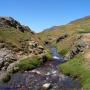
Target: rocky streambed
46,77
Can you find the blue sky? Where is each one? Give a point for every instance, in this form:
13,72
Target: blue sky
42,14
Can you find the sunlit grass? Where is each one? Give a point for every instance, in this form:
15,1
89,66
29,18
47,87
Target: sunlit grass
75,68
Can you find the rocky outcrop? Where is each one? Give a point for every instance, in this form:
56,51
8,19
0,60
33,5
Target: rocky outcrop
10,22
75,50
36,48
16,45
81,45
6,57
61,38
2,45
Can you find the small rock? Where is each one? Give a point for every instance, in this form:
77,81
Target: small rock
25,71
54,72
48,73
40,47
35,71
46,86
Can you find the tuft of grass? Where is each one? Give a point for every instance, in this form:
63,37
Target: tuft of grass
63,51
48,55
29,63
75,68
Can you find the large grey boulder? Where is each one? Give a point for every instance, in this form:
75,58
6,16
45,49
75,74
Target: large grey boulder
6,57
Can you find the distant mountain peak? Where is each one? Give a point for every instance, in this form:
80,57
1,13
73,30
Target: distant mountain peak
11,22
78,20
7,18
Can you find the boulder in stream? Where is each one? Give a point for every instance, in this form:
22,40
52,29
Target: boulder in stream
46,86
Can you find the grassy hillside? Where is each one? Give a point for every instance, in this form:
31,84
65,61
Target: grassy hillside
19,38
77,69
15,39
73,30
15,36
73,41
20,48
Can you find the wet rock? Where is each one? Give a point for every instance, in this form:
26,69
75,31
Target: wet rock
54,72
46,86
35,71
46,77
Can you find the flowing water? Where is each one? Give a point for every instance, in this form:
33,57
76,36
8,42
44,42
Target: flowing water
47,73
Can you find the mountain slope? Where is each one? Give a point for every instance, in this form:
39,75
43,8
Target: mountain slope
16,36
73,31
73,42
18,43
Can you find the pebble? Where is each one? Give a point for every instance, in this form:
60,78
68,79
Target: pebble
46,86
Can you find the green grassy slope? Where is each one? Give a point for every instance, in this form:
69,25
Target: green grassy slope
76,68
74,30
78,33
